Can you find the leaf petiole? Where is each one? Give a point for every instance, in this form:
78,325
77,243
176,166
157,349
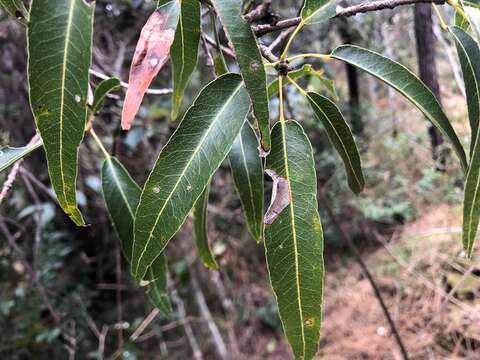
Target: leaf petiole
99,143
290,40
299,88
442,22
324,57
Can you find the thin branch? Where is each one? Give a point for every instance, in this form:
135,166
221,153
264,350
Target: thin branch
343,12
123,84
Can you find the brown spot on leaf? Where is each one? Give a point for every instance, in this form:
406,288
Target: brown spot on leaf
151,53
254,65
280,197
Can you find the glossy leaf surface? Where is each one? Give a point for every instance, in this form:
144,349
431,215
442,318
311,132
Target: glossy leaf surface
122,195
247,172
151,53
316,11
10,155
200,227
407,84
294,242
17,9
102,90
250,61
59,47
469,54
185,166
184,50
341,137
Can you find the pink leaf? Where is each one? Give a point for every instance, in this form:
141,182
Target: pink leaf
151,53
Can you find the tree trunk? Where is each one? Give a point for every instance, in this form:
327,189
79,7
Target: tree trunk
427,66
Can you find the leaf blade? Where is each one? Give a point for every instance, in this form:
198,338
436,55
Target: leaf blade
185,50
249,60
102,90
341,137
407,84
317,11
200,227
295,237
10,155
122,194
469,55
183,168
247,173
58,79
17,9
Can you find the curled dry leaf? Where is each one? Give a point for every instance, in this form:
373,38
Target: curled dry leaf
151,53
280,197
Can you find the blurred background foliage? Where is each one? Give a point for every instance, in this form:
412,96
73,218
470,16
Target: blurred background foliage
76,298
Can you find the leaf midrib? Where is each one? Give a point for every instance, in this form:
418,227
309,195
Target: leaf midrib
294,234
194,153
62,95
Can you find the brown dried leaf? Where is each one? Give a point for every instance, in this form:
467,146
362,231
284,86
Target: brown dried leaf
151,53
280,197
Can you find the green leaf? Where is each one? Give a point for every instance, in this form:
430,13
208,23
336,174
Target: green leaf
341,137
407,84
157,287
184,50
247,172
249,60
219,65
59,48
317,11
461,21
294,240
200,227
469,54
186,164
102,90
122,195
10,155
17,9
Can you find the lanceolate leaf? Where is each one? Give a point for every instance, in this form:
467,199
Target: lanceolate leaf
59,47
316,11
186,164
10,155
405,82
157,288
200,227
294,242
16,8
461,21
151,53
247,171
250,61
185,50
122,195
102,90
341,137
469,54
